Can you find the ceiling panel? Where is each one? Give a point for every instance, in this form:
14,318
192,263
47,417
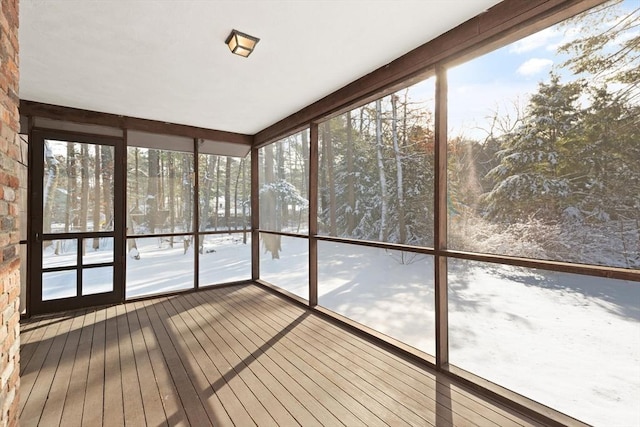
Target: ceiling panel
167,61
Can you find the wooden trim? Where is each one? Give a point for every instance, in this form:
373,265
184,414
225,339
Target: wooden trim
77,267
500,25
122,259
559,266
196,215
81,235
371,97
38,109
214,232
283,233
36,236
562,267
374,244
255,216
539,412
145,236
31,221
313,215
187,291
440,219
290,132
283,292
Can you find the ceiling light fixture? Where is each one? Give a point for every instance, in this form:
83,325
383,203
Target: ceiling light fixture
240,43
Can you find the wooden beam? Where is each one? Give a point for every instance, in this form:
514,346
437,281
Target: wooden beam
505,22
37,109
196,215
440,220
313,215
255,217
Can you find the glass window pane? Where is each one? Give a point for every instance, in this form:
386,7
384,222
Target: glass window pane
284,184
59,284
225,258
97,250
568,341
544,148
59,253
284,262
159,191
159,264
225,188
387,290
77,187
97,280
376,169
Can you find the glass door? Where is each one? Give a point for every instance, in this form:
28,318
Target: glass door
76,226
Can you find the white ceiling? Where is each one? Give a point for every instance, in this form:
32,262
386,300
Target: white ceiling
166,60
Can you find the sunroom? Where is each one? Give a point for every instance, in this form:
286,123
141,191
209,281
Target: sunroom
388,213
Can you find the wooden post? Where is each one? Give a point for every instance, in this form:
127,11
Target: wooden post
440,232
313,215
255,217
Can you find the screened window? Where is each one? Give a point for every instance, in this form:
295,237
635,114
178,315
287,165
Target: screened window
376,170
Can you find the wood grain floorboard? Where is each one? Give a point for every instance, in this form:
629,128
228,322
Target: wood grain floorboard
229,356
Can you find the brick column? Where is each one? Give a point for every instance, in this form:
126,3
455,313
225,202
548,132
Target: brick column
9,213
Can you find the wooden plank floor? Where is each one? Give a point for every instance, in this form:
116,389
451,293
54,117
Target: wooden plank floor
228,356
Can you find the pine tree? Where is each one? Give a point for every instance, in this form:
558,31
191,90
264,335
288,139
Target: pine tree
528,181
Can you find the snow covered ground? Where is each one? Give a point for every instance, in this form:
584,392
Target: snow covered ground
568,341
159,269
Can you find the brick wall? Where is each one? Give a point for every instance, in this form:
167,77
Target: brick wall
9,213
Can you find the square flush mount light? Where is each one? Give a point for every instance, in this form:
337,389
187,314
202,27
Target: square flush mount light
240,43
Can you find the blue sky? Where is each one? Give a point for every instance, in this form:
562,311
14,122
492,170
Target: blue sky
511,74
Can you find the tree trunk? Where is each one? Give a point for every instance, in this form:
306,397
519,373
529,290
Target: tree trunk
107,185
330,177
96,195
132,246
187,193
50,186
205,191
235,195
172,195
399,177
351,185
84,188
71,187
271,241
227,193
282,208
215,210
322,180
152,190
305,163
382,234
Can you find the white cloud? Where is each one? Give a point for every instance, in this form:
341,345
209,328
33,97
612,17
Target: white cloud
534,41
533,66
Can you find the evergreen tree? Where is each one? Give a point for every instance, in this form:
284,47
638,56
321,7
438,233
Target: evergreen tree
528,181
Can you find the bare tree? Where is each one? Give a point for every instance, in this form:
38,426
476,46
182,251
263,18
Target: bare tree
96,195
382,236
227,194
50,187
399,176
